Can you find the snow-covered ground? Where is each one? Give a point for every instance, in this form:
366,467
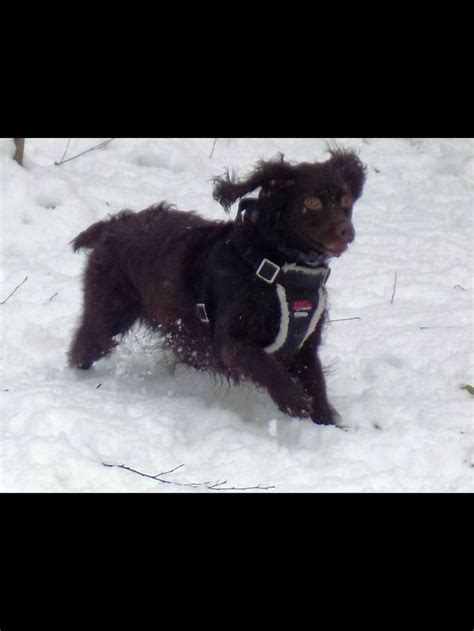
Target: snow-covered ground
396,367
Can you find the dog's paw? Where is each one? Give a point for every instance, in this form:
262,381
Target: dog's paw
297,404
326,415
83,355
84,365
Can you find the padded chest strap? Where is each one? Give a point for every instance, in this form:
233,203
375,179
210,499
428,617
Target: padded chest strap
302,296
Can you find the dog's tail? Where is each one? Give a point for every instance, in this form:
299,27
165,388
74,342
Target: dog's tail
96,233
89,238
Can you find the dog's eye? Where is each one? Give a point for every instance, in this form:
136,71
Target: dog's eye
313,203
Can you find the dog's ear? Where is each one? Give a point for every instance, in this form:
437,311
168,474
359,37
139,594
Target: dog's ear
353,171
272,175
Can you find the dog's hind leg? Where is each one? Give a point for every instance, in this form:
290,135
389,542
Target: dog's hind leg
109,310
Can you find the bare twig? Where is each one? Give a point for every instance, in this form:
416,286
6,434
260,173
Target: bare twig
444,328
153,477
344,319
217,486
65,151
394,288
19,150
213,147
50,299
17,287
213,487
99,146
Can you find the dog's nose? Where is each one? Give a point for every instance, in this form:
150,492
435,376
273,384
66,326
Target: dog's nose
345,231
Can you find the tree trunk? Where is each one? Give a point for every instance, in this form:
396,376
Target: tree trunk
20,147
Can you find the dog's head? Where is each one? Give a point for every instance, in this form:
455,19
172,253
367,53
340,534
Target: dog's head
307,206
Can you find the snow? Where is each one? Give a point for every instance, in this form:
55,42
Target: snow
395,368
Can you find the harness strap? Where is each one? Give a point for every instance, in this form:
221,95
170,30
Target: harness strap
300,290
302,297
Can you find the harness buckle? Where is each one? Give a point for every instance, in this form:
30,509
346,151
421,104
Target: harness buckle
268,271
201,312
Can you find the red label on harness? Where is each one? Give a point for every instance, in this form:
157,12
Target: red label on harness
302,305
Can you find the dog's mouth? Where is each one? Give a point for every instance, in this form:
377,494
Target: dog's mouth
330,249
335,250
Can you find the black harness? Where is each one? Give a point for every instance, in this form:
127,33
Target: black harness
300,290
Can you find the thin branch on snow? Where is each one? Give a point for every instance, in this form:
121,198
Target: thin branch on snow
99,146
394,288
444,328
11,294
19,150
65,151
345,319
157,476
217,486
213,147
52,298
213,487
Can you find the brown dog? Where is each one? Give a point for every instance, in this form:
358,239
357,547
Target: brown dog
244,298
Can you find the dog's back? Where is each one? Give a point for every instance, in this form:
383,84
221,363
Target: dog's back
143,266
157,221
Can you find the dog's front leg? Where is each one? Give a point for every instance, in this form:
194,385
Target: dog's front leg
306,367
244,359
